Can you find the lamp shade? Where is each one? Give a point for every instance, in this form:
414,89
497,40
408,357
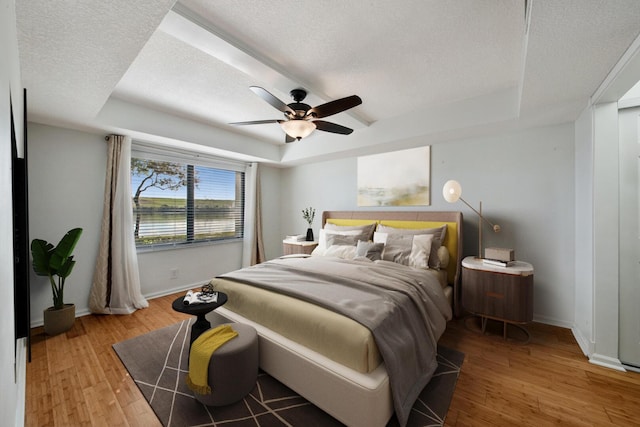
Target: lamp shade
452,191
298,128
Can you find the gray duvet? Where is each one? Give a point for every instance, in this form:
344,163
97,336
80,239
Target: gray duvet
405,309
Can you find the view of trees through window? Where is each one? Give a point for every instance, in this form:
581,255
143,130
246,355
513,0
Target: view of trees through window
179,203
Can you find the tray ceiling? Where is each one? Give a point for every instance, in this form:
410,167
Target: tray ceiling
427,71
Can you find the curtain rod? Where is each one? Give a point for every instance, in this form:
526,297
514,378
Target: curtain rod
185,153
142,145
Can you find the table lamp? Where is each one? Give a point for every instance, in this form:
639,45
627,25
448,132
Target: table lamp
452,192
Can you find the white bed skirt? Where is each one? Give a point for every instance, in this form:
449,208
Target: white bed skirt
355,399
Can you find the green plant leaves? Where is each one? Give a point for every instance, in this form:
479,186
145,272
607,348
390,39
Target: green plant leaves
60,257
55,261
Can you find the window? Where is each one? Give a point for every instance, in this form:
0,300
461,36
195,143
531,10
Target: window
178,203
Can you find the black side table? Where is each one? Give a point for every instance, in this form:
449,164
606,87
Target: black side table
199,310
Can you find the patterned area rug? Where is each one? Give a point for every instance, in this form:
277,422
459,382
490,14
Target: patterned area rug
157,362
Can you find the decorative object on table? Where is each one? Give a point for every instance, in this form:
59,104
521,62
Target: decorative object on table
399,178
500,254
200,297
295,238
207,289
56,263
498,263
200,310
309,214
452,192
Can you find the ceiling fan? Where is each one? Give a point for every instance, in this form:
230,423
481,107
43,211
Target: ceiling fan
300,119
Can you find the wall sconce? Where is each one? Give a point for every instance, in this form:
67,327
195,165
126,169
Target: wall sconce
452,192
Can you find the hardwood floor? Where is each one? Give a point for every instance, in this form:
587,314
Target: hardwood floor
76,379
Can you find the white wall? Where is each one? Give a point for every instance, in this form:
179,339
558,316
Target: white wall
583,329
12,368
271,205
605,235
66,179
66,186
525,181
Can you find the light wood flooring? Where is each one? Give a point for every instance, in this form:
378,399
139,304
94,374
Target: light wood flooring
76,379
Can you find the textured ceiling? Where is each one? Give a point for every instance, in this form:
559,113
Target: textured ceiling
427,71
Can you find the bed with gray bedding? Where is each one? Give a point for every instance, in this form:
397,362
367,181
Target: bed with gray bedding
372,326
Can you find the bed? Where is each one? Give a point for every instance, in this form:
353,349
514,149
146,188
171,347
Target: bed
309,342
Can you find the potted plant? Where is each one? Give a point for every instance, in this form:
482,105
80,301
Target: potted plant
57,264
308,214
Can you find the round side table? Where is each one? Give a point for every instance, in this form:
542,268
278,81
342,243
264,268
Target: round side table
199,310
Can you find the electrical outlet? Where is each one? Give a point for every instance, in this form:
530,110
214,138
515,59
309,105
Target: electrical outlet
174,273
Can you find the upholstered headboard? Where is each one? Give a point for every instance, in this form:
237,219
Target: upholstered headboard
415,219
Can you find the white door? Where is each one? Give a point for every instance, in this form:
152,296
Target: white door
629,338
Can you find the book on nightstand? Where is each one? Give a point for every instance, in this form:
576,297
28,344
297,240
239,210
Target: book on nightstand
497,262
295,238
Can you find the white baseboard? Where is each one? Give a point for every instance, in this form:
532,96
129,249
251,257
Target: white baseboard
607,362
21,380
85,311
585,344
181,288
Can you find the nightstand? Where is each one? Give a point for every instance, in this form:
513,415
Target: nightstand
290,248
500,293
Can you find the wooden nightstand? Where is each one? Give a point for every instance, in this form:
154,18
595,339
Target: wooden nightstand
500,293
290,248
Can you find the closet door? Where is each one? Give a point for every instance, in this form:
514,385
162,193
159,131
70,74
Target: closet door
629,335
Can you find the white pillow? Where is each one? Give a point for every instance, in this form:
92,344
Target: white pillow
322,239
420,250
341,251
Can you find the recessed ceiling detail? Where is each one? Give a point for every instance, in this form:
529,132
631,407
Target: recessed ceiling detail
429,71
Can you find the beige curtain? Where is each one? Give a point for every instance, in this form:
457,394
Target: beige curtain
253,247
116,281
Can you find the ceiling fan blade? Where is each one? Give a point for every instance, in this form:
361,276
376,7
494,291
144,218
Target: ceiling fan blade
332,127
288,138
334,107
275,102
257,122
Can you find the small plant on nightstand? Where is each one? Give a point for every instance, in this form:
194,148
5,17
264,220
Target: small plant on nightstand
309,214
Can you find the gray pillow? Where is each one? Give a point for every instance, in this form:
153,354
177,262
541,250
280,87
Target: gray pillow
367,229
371,250
398,248
343,240
439,234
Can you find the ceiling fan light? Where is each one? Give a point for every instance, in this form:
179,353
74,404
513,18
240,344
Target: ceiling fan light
298,128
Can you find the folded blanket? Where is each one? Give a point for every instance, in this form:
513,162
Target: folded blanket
200,355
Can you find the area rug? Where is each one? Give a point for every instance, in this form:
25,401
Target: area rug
157,362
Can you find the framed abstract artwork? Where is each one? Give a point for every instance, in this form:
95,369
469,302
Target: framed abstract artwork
398,178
